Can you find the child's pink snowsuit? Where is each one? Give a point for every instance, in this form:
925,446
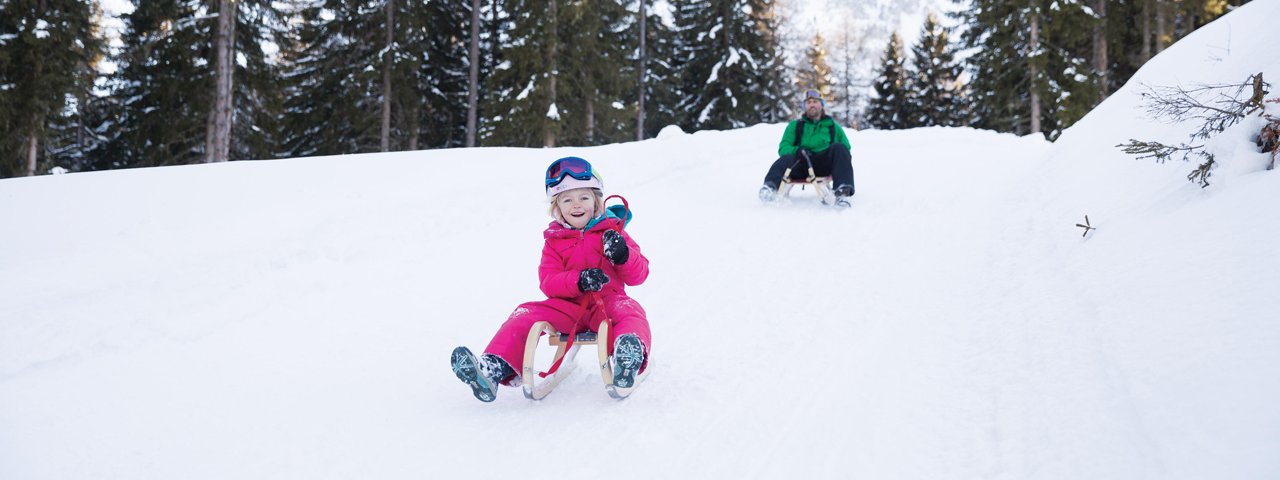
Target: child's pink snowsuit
566,253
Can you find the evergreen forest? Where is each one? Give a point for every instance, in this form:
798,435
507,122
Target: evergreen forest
198,81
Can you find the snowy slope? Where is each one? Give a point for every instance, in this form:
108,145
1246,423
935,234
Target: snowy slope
293,318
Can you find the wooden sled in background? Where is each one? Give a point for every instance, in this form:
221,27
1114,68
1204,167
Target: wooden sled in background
821,185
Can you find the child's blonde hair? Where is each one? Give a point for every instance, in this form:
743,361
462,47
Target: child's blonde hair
554,210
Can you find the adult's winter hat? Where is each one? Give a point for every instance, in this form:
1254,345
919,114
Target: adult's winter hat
813,94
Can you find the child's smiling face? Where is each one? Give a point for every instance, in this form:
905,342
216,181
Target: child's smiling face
577,206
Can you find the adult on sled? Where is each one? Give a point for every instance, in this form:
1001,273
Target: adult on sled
587,259
817,139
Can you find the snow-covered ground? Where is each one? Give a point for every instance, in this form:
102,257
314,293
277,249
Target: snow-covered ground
293,319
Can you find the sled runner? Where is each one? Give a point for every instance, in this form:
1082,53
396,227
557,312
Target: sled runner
821,185
538,384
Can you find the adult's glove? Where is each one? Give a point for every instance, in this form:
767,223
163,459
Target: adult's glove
615,247
592,280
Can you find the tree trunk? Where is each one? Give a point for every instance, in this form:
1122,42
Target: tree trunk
387,61
640,86
1101,63
590,106
412,118
218,138
473,78
1034,71
37,118
494,34
1146,32
847,76
33,153
549,131
726,43
81,114
1162,25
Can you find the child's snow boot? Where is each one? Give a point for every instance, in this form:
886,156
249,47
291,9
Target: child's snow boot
482,375
496,369
628,355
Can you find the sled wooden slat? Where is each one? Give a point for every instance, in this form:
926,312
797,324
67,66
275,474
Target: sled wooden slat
803,181
821,186
602,350
535,387
583,338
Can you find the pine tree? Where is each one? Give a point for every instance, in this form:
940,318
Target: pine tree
497,24
258,95
436,53
163,84
642,58
934,93
848,103
888,110
523,93
661,78
1127,48
163,91
773,91
1023,68
815,73
375,75
48,52
730,64
685,15
599,72
1069,47
564,74
1129,37
1080,53
333,100
998,66
73,137
474,60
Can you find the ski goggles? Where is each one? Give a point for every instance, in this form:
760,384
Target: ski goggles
812,94
569,167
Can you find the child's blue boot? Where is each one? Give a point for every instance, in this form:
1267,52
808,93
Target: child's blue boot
483,375
628,356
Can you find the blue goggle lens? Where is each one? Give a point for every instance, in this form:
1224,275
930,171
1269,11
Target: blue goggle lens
569,166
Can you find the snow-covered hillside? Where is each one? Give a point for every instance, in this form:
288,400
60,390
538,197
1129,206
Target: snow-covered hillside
293,319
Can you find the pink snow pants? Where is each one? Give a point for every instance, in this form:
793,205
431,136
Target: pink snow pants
625,314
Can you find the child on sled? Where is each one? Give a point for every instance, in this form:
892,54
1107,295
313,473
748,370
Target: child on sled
587,260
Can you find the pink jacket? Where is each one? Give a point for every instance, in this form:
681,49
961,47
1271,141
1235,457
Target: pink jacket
567,252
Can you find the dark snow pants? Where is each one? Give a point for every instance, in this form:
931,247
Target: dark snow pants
836,162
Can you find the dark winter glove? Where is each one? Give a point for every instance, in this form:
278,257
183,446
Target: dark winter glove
592,280
615,247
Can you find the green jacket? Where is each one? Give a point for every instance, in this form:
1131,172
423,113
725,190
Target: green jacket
816,136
